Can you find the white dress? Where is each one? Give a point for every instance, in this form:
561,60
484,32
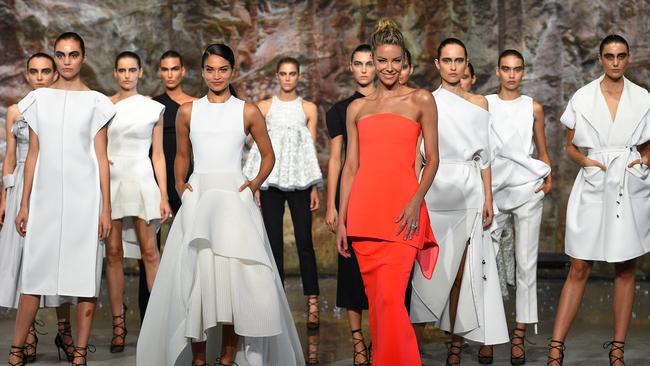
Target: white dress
455,204
217,267
11,243
296,164
62,254
134,191
608,211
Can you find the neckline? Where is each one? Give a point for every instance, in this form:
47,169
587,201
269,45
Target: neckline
508,100
275,97
460,98
127,98
386,113
218,103
66,90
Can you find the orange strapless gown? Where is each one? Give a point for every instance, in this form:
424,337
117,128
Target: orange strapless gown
384,183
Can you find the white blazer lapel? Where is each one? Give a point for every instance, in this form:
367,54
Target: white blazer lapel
633,106
589,103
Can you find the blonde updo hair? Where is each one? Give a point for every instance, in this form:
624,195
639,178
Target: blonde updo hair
386,32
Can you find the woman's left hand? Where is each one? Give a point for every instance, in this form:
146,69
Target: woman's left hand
488,213
314,199
104,224
250,184
408,220
165,211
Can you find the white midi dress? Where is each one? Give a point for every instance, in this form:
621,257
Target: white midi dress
11,243
62,254
455,204
134,191
608,211
217,267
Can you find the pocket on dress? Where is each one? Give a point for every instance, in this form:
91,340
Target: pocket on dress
594,187
638,184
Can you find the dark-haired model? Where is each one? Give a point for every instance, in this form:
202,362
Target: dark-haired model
519,183
139,204
218,291
292,123
468,79
381,208
463,297
65,209
608,208
40,73
350,293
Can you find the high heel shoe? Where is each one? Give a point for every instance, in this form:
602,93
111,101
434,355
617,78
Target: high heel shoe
224,364
483,358
560,347
17,351
59,341
363,353
30,347
312,301
613,347
521,337
81,352
121,325
454,350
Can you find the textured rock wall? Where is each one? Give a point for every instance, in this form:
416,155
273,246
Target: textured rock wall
559,40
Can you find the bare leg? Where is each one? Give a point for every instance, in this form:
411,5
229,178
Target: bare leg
148,248
570,300
624,286
360,350
63,317
456,341
229,347
198,353
115,280
27,309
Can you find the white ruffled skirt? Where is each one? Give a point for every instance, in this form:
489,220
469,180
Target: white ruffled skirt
218,268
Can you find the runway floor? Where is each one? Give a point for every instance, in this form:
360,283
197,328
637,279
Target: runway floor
334,347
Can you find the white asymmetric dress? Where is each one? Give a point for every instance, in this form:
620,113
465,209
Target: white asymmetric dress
455,204
62,254
608,211
134,191
217,267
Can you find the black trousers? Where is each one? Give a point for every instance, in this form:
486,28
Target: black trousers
272,201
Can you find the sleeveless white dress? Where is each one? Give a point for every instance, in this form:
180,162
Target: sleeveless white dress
296,164
217,267
11,243
62,254
134,191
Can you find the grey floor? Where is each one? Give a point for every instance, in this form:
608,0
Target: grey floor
584,347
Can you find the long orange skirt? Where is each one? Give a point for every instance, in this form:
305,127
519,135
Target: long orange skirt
385,268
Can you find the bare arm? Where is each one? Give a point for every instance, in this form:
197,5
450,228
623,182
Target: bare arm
101,143
159,168
311,111
256,126
539,136
333,172
351,162
488,209
30,167
576,155
9,163
183,148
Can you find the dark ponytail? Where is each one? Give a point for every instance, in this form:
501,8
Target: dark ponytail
221,50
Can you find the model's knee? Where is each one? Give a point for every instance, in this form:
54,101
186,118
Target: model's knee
114,254
579,271
625,271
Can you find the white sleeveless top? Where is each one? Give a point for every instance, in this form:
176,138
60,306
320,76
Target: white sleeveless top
217,144
515,172
296,164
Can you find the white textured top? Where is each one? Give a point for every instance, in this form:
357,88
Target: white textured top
217,135
296,164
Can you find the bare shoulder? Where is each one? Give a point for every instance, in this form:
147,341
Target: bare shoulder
309,106
422,96
537,107
185,110
478,100
12,111
251,110
355,107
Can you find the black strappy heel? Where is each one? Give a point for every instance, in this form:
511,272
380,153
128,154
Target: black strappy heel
17,351
82,352
615,346
312,301
223,364
64,331
454,350
30,347
560,347
518,360
121,325
363,353
482,358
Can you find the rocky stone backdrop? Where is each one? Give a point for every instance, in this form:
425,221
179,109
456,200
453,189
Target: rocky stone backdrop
558,38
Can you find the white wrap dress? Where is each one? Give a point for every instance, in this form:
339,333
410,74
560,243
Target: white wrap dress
62,254
455,204
608,211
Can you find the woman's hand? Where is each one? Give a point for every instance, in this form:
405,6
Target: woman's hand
314,199
255,188
3,208
547,185
104,224
587,162
488,213
181,187
331,219
644,160
21,221
342,241
165,211
408,220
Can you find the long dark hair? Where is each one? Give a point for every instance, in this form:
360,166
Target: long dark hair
221,50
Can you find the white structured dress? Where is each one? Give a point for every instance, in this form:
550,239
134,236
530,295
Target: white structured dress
296,164
134,191
217,267
11,243
608,211
62,254
455,204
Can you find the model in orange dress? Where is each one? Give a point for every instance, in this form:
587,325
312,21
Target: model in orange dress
381,204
